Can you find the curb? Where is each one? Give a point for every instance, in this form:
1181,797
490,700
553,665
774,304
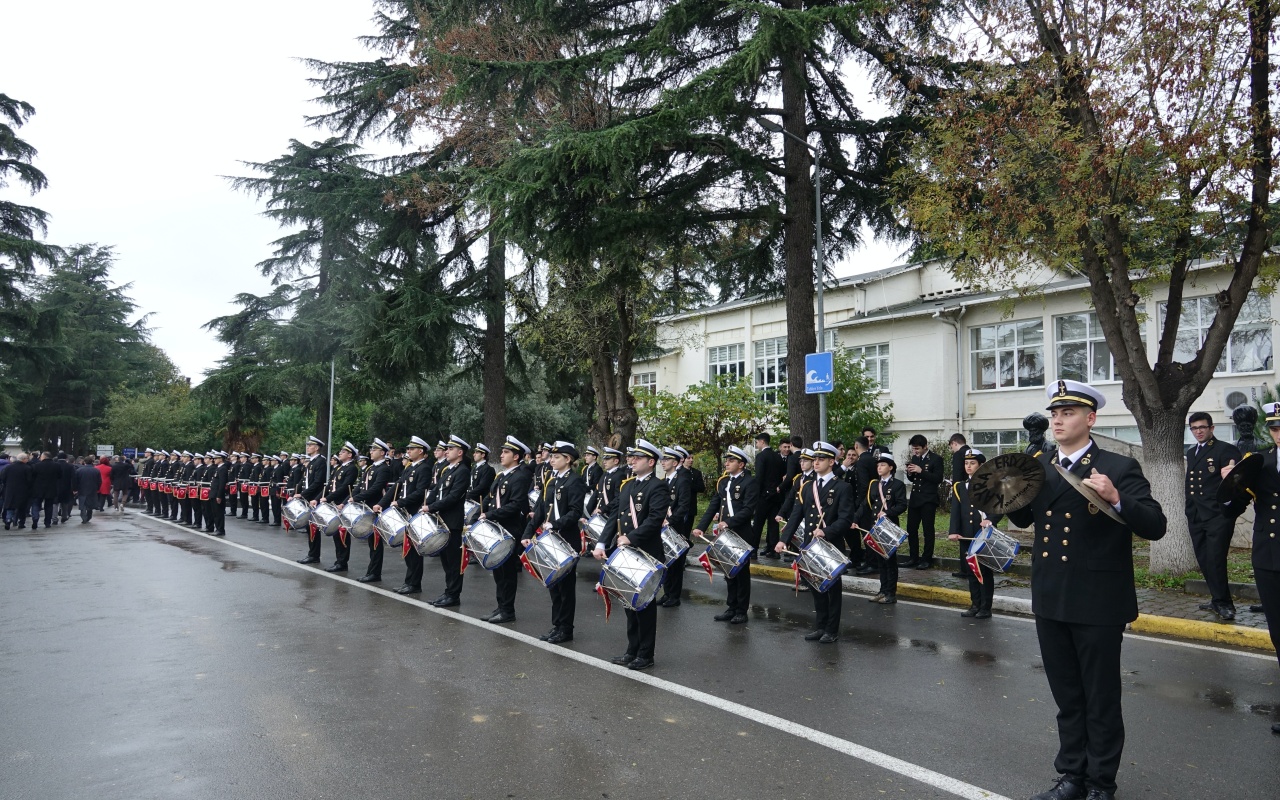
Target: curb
1234,635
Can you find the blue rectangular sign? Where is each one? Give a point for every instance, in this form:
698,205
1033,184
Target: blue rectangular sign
819,373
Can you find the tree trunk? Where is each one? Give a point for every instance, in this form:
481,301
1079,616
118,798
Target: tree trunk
798,248
494,376
611,376
1164,466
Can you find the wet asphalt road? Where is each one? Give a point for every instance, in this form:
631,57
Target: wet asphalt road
140,660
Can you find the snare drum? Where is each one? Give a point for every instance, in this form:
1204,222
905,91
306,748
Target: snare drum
593,528
673,546
885,538
326,517
470,513
391,526
357,518
428,533
633,577
822,564
994,548
297,513
729,552
549,558
489,543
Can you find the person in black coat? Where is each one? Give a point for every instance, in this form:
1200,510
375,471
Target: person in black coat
770,473
88,482
865,560
66,486
337,492
924,470
792,495
958,445
507,505
606,489
1266,530
886,500
407,494
636,521
966,523
375,481
482,473
46,478
591,469
680,513
446,499
1082,592
279,487
827,508
215,508
1211,529
733,506
314,475
15,500
696,477
559,509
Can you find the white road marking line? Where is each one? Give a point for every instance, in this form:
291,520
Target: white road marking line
874,757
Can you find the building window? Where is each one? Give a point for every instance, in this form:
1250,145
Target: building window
831,339
875,358
1125,433
993,443
727,359
1083,353
1249,346
771,368
1008,355
645,381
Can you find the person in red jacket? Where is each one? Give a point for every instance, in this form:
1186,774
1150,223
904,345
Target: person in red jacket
104,490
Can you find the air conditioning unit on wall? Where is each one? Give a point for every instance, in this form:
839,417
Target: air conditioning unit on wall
1235,396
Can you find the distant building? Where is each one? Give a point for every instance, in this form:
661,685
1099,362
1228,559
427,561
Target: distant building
952,358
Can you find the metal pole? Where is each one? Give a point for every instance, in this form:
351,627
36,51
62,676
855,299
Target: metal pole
822,276
329,437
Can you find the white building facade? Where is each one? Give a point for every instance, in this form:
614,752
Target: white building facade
955,359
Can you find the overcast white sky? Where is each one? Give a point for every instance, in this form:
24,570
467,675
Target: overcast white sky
142,105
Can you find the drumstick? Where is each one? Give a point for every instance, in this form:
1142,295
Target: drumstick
791,553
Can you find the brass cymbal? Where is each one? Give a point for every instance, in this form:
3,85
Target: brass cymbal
1242,477
1089,493
1006,483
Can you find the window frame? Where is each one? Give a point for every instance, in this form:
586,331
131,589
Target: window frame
974,351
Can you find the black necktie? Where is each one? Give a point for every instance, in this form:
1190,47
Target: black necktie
1066,463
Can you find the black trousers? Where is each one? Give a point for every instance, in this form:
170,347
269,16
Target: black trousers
915,516
564,599
505,580
888,574
342,552
1268,582
263,512
766,513
1211,540
673,583
162,503
149,496
47,505
244,504
413,568
314,537
215,516
233,503
197,511
1082,663
642,631
376,549
277,505
828,606
88,504
451,562
982,593
739,594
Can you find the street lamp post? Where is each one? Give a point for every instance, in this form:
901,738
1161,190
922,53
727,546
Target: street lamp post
773,127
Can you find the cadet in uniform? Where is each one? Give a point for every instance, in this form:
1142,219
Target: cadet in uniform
1082,591
591,471
1211,528
375,481
407,494
446,499
559,508
680,517
312,487
636,521
734,504
924,470
338,492
886,499
482,473
215,506
606,489
966,523
507,504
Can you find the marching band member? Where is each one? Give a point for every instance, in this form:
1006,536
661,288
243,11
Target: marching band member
246,473
543,464
1082,592
1211,529
183,512
233,479
559,508
886,499
793,490
506,504
442,461
297,472
482,473
591,471
734,504
407,494
338,492
313,480
1266,531
636,521
144,476
376,479
606,489
193,493
263,500
680,514
446,499
279,487
826,506
966,523
215,507
924,470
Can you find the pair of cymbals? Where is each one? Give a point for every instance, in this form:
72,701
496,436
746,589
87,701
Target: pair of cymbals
1011,481
1243,476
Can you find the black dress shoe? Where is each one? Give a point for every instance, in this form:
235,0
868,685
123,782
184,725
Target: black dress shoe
1257,609
641,663
813,636
1063,789
865,569
407,589
337,568
309,560
971,611
1275,728
922,564
447,602
370,579
671,602
908,564
983,614
551,633
1098,794
560,637
499,619
439,599
772,556
724,616
959,574
492,613
622,660
828,639
1224,611
888,600
738,619
1205,606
